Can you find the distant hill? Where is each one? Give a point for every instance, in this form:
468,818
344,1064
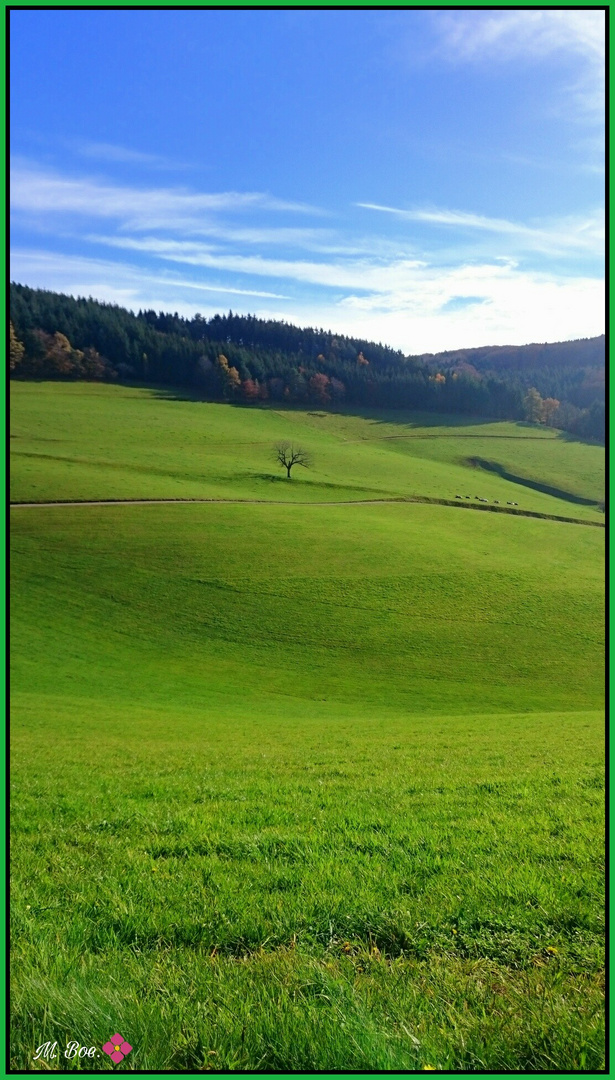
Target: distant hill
583,352
243,358
574,368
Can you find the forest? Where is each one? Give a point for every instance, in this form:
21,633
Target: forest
246,359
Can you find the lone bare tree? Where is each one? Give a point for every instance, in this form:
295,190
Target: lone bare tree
287,454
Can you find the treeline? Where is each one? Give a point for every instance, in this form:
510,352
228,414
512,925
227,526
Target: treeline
572,371
243,358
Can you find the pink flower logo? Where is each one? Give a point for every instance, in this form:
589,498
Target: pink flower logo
117,1048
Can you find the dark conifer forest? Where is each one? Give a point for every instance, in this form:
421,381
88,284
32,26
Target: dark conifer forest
245,359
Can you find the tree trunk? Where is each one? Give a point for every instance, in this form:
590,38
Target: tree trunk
288,468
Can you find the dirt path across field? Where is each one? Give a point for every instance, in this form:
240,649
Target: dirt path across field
313,502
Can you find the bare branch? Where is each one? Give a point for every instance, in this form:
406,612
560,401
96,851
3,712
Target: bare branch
288,454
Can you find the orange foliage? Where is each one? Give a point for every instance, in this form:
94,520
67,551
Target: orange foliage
250,389
319,386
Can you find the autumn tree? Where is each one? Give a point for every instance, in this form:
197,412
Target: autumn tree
66,338
60,355
319,388
532,404
16,349
231,380
51,356
287,454
250,389
550,405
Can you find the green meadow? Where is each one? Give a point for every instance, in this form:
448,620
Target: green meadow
89,441
305,782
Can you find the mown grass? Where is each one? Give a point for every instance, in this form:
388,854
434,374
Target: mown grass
416,607
302,787
84,441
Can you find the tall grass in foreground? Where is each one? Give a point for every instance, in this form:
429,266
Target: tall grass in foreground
291,893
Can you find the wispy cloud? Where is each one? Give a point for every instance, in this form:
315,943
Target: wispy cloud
584,234
537,32
37,191
502,36
106,152
195,251
324,241
355,274
423,309
44,195
76,267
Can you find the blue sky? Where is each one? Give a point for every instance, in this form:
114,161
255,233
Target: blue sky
428,179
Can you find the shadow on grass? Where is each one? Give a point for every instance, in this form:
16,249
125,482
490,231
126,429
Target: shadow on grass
306,482
569,436
558,493
404,417
173,393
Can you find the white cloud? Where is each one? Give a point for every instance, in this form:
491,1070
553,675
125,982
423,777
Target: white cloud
511,33
80,275
354,274
37,192
583,234
480,290
501,36
516,307
42,197
323,241
519,310
407,308
110,152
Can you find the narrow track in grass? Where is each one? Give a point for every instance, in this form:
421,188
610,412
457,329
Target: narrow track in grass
514,511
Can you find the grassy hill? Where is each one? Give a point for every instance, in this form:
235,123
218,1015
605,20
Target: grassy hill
92,441
300,785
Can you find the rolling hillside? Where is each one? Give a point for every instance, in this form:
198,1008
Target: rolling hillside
305,783
88,441
246,360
